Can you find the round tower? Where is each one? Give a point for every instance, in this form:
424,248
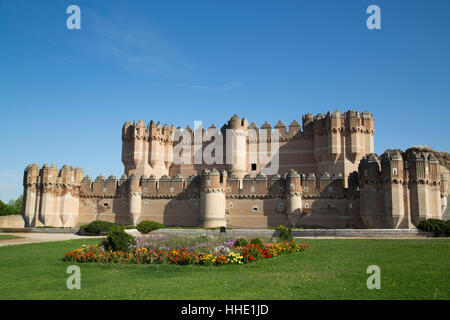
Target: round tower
212,200
135,198
294,190
236,150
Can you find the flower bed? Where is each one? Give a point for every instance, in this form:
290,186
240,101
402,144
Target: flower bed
159,249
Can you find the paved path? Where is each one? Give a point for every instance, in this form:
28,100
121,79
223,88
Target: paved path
31,237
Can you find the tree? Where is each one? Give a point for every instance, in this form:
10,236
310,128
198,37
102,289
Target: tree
13,207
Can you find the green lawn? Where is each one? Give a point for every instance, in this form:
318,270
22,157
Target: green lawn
329,269
8,237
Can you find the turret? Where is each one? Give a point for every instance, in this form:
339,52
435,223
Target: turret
236,146
419,193
212,199
31,185
293,192
135,197
369,181
392,179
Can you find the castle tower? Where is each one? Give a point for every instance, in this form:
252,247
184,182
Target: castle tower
31,201
340,140
68,198
236,146
148,150
212,199
419,194
370,197
444,193
135,197
49,214
433,184
294,191
392,178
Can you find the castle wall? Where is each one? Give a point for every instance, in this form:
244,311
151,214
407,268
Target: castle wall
327,176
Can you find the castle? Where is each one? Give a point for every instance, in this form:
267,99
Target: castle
323,173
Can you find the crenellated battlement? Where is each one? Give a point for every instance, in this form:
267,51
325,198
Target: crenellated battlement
395,166
34,175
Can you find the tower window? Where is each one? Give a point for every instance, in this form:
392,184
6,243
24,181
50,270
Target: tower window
253,166
252,189
394,170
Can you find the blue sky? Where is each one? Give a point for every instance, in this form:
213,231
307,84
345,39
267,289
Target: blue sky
65,94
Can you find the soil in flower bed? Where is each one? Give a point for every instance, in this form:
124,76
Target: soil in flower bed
203,250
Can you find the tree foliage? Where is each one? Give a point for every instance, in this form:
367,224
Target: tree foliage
12,207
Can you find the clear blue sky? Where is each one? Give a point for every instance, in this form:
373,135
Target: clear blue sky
65,94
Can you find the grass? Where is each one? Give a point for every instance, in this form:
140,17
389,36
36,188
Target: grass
329,269
8,237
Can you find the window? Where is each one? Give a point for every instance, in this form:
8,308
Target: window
394,170
252,189
228,189
255,208
146,204
208,183
253,166
145,189
280,205
196,205
281,189
330,189
171,189
231,204
104,190
306,205
306,189
105,204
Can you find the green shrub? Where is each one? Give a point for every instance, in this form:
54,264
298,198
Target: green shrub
118,239
98,227
147,226
284,233
241,242
257,241
436,226
447,227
